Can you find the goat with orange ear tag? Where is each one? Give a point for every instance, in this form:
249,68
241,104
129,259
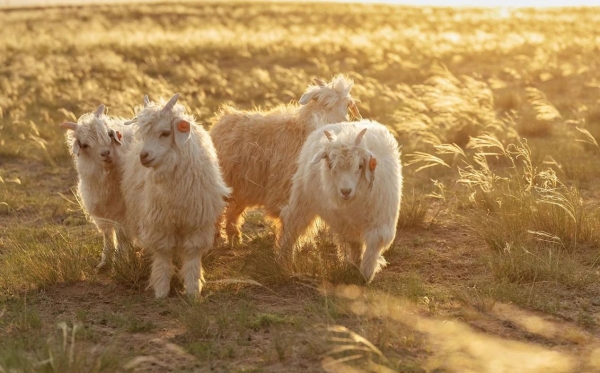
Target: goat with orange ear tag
361,210
174,193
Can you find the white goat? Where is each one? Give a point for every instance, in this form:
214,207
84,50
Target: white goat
257,150
174,192
349,175
98,143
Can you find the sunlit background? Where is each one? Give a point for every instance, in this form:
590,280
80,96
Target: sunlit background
441,3
486,3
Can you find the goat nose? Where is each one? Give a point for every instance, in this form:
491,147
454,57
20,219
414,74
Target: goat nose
346,191
143,155
105,153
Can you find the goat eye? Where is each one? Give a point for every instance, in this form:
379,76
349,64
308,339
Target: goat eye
165,134
84,146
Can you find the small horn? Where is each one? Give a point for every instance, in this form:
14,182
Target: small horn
328,135
171,103
98,113
69,125
146,100
320,82
359,137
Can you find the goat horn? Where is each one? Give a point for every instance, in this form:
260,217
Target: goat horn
320,82
98,113
171,103
359,137
328,135
69,125
146,100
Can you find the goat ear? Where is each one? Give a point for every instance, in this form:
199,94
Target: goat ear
98,113
359,137
369,165
183,132
75,148
69,125
115,136
318,157
305,99
320,82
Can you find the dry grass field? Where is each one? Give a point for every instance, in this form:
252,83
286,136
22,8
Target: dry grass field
495,267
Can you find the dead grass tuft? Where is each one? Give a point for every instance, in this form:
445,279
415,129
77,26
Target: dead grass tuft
132,266
50,258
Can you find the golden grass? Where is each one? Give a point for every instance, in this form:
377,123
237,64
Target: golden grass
498,115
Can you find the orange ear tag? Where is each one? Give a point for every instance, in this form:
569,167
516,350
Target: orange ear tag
372,164
119,136
183,126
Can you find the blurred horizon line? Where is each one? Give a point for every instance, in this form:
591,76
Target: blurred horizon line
8,4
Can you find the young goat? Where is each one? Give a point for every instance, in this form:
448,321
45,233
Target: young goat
174,192
257,150
349,175
97,143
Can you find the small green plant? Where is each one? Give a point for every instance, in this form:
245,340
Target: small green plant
267,319
136,325
82,315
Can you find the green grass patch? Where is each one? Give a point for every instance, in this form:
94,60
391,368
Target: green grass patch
46,257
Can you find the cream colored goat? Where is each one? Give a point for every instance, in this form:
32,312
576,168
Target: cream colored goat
174,193
97,144
350,176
